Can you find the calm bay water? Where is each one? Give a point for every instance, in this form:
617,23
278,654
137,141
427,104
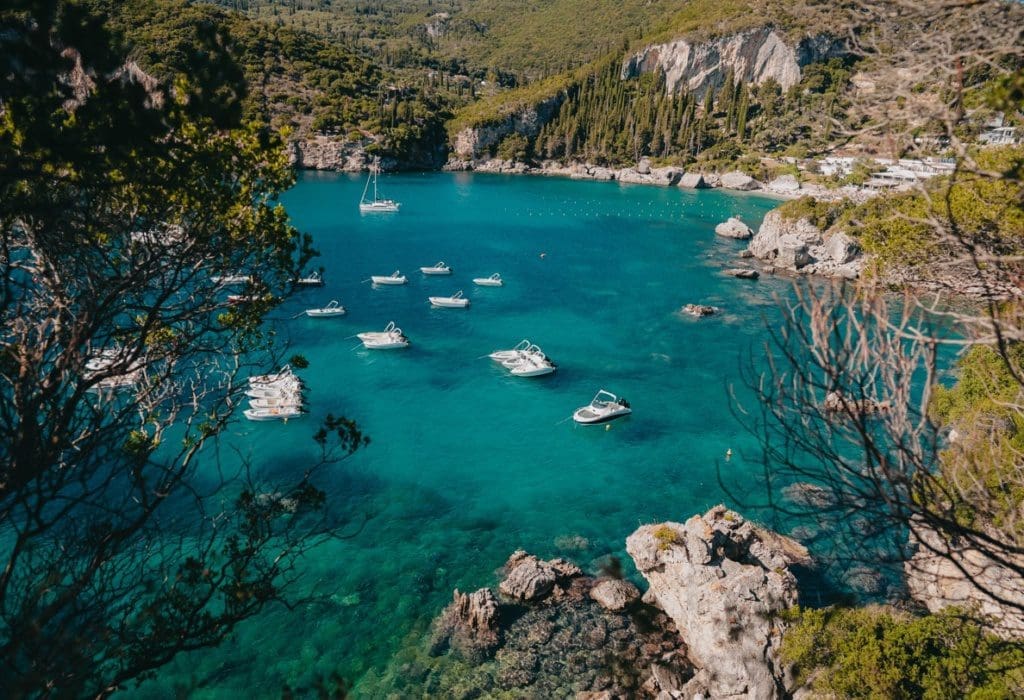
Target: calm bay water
468,463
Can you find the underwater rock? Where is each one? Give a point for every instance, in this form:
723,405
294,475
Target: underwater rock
835,402
743,273
805,494
615,594
469,626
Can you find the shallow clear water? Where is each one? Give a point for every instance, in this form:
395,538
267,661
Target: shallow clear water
468,463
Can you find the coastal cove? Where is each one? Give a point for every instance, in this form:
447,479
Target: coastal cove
467,463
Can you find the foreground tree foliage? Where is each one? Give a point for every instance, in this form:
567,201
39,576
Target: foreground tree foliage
123,540
909,481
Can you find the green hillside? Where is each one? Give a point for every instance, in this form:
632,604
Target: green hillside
296,79
520,38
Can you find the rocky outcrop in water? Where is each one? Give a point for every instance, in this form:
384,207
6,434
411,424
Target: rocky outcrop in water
799,245
754,56
699,310
468,626
734,228
585,638
528,578
723,582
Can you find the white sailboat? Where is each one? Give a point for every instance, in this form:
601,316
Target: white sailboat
376,204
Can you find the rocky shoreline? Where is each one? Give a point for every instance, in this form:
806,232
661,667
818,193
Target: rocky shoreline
708,625
644,173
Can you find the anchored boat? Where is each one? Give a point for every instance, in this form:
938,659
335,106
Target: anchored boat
439,269
395,277
605,406
377,204
332,309
391,338
492,281
455,301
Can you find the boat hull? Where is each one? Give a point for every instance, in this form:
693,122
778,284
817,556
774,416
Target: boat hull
324,313
272,414
587,416
435,271
379,207
448,303
532,371
388,280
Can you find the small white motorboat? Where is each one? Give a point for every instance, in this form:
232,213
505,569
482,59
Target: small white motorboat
285,401
332,309
241,298
455,301
439,269
391,338
533,366
492,281
531,362
277,413
395,277
274,377
274,391
604,407
511,354
230,279
314,279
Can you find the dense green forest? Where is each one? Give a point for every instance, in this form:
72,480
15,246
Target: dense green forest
296,79
607,120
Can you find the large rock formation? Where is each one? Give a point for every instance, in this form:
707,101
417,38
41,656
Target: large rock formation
736,180
529,579
723,582
800,245
733,228
754,56
476,142
948,572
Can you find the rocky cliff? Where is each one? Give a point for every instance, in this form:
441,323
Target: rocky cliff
475,142
723,582
799,245
754,56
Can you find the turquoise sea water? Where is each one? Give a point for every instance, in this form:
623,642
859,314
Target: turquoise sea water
468,463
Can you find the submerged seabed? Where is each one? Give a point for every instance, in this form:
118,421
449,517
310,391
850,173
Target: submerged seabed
467,463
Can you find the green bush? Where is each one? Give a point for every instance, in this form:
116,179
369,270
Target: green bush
878,652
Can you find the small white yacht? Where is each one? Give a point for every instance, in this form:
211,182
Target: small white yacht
277,413
492,281
241,298
605,406
530,362
285,373
455,301
329,311
284,401
274,391
314,279
532,367
395,277
391,338
377,204
511,354
439,269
